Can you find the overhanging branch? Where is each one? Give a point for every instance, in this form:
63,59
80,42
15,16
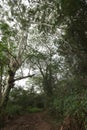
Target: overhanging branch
24,77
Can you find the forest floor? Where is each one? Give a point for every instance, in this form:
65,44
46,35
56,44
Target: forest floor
33,121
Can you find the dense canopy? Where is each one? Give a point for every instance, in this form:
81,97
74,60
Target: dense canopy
49,39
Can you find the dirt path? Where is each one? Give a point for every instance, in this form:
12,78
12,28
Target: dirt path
34,121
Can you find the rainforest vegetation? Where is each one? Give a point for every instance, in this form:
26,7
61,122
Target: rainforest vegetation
48,39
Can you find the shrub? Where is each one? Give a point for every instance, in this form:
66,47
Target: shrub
14,110
33,109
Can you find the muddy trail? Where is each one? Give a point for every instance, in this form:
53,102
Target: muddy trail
34,121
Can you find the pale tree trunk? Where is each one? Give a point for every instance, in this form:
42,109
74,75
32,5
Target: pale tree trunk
0,92
5,96
1,70
14,64
10,84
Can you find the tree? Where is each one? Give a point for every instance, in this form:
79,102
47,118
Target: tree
75,38
70,17
55,47
14,43
45,62
3,62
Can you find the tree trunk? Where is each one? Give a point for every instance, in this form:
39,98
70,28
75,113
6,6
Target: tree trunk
5,96
1,70
0,93
10,84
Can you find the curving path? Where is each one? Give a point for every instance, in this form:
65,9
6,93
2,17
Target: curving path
34,121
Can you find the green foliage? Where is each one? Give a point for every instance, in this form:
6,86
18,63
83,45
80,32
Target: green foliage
13,110
67,96
6,47
23,101
72,104
7,32
70,98
33,109
3,58
56,108
5,28
75,36
76,106
70,7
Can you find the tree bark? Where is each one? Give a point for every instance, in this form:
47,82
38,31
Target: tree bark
1,69
10,84
5,96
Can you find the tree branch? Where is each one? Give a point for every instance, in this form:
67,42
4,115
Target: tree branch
23,77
